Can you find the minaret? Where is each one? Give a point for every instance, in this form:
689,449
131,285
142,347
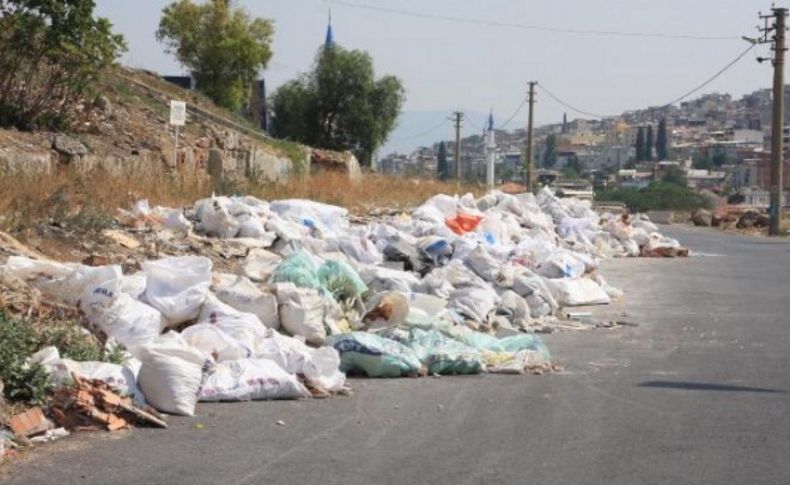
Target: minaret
491,152
330,36
564,123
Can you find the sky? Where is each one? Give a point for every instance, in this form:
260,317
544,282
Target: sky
476,67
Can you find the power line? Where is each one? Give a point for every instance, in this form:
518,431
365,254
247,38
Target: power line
515,113
676,100
421,134
714,77
567,105
512,25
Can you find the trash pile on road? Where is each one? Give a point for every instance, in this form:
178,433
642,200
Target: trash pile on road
456,287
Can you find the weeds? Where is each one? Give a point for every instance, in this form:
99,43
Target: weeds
19,339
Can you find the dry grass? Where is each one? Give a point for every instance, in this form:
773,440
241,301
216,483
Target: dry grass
87,202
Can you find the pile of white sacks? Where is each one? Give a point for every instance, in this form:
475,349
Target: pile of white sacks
450,288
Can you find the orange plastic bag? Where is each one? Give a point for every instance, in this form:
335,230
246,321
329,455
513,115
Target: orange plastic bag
463,223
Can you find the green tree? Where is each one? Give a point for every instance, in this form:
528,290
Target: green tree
442,168
701,161
640,145
662,142
339,105
550,153
51,55
674,175
223,47
649,143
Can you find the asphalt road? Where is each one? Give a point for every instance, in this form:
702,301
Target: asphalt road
697,393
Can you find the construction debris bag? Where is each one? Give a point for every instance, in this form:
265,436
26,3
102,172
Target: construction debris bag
171,374
241,294
245,328
442,355
301,312
248,380
577,292
177,286
374,356
260,265
321,366
215,342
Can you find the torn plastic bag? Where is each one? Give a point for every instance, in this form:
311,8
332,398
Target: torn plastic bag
443,355
248,380
374,356
577,292
175,221
514,308
241,294
301,312
177,286
388,309
341,280
29,269
171,374
463,223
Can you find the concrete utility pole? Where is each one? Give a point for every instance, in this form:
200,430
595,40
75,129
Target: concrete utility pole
528,147
491,154
777,130
458,117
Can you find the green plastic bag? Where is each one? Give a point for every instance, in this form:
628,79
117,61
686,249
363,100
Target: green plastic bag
374,356
511,344
300,270
443,355
341,280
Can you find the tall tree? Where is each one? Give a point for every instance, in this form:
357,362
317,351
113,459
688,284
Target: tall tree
442,168
221,44
649,143
662,142
339,105
640,145
550,153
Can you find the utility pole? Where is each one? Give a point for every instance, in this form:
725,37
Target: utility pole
458,117
528,148
777,130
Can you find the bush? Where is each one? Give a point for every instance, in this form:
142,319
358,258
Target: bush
52,54
19,339
657,196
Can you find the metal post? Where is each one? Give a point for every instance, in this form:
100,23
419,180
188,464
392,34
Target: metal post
175,152
528,148
777,155
457,155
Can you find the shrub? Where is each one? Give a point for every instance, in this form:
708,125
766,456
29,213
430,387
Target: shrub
52,54
657,196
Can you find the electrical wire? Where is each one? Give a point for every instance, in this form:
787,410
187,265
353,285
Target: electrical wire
513,25
712,78
421,134
676,100
515,113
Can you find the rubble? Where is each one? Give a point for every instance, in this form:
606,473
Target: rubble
238,298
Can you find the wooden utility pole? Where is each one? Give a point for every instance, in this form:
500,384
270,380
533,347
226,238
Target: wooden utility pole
777,130
457,117
528,148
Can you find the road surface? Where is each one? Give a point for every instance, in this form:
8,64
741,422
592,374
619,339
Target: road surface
697,393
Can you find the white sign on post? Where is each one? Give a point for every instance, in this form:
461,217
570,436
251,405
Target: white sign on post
178,118
178,113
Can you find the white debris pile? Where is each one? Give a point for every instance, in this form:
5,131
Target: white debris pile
452,288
